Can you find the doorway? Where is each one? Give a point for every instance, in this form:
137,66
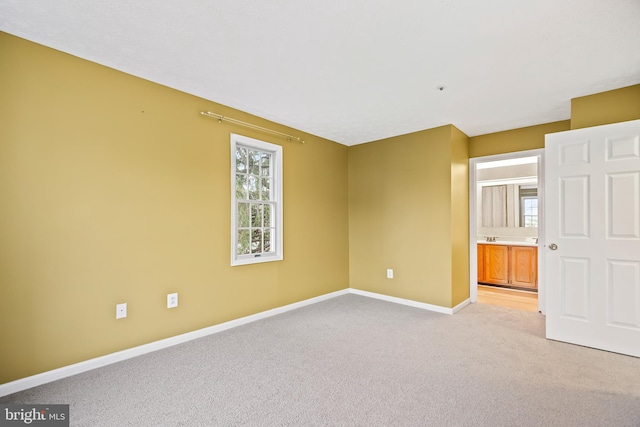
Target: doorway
506,192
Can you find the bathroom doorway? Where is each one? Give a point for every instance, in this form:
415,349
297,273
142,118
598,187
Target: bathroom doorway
506,229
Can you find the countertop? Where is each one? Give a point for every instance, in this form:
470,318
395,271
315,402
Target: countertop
508,242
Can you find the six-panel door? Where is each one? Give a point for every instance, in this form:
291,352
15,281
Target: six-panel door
592,201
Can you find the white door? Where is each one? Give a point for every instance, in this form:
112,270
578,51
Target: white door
592,237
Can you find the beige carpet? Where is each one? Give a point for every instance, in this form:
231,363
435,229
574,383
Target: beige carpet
355,361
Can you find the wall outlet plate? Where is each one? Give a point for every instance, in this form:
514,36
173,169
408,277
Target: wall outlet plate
172,300
121,310
389,273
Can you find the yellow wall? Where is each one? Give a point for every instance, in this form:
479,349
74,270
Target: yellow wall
459,216
115,189
510,141
401,194
613,106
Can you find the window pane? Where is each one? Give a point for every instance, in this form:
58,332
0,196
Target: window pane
256,215
531,206
243,214
529,211
254,162
243,242
266,213
266,189
241,186
254,191
530,221
267,240
265,164
256,241
241,159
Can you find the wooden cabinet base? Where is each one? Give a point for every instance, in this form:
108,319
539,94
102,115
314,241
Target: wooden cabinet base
505,265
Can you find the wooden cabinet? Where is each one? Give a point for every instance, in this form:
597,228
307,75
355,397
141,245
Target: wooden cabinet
496,264
524,266
508,265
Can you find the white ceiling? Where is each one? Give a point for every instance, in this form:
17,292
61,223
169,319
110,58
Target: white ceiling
355,71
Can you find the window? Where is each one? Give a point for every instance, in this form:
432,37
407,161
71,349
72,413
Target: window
528,207
256,201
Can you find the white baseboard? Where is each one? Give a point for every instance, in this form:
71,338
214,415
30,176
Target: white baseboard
411,303
98,362
462,305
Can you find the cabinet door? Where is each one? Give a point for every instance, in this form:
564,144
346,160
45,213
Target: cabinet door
481,263
496,264
524,266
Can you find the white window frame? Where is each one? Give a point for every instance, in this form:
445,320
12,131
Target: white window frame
523,200
276,252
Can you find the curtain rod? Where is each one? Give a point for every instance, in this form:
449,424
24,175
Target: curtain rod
249,125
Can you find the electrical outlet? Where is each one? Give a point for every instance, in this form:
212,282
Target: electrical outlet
389,273
172,300
121,310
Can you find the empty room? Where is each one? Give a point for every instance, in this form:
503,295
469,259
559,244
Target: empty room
320,213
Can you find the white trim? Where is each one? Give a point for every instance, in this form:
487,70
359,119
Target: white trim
473,232
460,306
98,362
508,162
411,303
542,284
473,247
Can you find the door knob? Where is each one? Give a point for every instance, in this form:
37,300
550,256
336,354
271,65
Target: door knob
553,246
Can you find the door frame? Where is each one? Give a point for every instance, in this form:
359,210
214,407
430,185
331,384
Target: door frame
473,197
